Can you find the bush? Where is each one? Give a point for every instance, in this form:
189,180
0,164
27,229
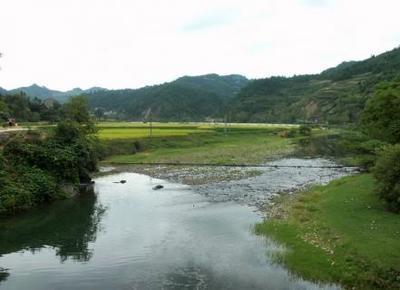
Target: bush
40,184
305,130
387,174
14,198
380,118
287,133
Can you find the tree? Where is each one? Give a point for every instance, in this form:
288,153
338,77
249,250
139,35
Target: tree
76,110
387,175
381,116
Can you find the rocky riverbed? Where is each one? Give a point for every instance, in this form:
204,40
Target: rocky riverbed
254,186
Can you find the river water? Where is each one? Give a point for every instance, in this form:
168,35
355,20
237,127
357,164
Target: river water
129,236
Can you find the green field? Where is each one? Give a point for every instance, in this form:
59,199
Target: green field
131,130
194,142
339,233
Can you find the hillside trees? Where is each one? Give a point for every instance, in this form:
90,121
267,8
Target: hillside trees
387,174
381,120
381,116
26,109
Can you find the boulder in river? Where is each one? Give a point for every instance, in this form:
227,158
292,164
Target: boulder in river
121,181
159,186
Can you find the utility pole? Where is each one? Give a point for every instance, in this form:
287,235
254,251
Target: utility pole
148,118
151,125
226,123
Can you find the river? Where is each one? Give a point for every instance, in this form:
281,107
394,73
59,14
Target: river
129,236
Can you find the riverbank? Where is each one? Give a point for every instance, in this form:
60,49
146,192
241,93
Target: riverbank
238,146
338,233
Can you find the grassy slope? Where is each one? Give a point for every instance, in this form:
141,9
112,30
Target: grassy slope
340,233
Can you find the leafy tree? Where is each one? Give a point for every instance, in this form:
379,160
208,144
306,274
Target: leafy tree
76,110
387,174
4,112
381,116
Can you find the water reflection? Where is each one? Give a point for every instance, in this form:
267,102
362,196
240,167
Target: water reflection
68,226
152,239
3,274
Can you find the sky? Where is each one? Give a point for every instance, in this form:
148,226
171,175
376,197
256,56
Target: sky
63,44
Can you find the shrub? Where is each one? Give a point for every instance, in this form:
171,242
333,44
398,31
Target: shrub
387,174
380,118
40,184
305,130
14,198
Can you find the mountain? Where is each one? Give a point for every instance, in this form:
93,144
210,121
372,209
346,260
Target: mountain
189,98
3,91
34,90
336,95
41,92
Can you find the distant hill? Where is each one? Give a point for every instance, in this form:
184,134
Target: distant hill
3,91
336,95
41,92
189,98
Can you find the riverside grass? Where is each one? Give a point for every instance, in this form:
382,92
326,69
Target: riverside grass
238,146
339,233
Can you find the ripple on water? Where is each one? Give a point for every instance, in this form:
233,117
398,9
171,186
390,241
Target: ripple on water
129,236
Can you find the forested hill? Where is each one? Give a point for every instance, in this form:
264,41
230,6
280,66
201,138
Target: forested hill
189,98
337,95
43,93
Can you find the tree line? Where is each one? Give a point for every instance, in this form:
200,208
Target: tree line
26,109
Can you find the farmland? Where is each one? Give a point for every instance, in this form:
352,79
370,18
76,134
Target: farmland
194,142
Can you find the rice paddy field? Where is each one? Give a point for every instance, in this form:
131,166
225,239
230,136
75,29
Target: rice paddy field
130,142
132,130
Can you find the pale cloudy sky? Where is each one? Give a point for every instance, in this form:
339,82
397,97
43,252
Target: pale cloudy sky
131,43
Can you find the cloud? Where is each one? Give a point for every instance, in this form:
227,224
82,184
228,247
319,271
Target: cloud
210,20
316,3
123,43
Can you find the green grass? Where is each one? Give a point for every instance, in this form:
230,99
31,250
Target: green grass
129,133
215,147
193,142
129,130
340,233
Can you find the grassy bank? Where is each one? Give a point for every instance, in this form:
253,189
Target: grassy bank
213,147
339,233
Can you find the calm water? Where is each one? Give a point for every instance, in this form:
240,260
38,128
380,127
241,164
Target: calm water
128,236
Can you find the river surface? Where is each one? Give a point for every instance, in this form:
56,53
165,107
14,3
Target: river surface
129,236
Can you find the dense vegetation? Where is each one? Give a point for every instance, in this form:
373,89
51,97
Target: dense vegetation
337,95
38,167
387,175
381,120
24,108
381,117
185,99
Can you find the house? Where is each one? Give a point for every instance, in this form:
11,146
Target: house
11,122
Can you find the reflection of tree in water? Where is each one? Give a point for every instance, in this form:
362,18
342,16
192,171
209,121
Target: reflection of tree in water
68,226
3,274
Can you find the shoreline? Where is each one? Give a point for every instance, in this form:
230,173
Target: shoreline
337,233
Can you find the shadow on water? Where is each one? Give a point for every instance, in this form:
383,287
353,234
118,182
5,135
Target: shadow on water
68,226
3,274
